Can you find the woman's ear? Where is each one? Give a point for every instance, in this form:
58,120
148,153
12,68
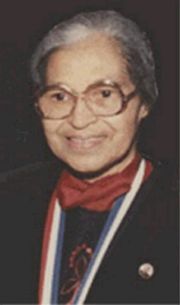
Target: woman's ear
143,111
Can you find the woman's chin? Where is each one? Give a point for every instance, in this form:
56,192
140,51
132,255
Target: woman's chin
93,171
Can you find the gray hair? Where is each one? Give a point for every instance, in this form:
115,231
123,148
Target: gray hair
133,43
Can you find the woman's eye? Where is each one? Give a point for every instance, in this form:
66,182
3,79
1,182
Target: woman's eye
106,93
59,96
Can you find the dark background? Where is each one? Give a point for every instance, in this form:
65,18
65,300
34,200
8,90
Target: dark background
23,23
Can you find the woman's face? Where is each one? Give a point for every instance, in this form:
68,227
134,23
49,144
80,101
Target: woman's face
86,142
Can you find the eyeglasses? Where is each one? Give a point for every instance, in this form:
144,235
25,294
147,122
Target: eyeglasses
104,98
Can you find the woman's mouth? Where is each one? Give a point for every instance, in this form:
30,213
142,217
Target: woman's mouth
83,143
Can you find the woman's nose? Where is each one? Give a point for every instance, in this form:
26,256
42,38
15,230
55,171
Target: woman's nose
81,115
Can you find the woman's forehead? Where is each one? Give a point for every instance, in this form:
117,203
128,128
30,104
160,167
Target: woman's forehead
86,62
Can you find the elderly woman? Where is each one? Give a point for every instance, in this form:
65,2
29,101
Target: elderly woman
109,235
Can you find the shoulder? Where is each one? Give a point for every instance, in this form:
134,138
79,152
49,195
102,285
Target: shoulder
27,189
160,195
165,174
36,170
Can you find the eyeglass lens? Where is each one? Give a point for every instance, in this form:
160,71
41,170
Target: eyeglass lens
102,100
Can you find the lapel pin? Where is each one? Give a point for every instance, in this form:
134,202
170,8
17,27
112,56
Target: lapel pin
146,271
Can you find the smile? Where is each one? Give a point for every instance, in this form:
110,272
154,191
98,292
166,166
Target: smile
84,143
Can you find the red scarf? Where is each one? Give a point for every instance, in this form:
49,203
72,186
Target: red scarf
99,195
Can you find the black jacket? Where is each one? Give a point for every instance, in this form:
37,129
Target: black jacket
148,235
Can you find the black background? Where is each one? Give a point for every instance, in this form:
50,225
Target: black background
23,23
